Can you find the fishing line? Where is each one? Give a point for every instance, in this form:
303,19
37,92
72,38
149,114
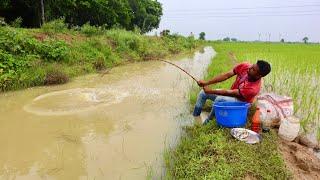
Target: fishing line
107,71
180,69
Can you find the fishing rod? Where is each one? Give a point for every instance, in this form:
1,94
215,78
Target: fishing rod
180,69
107,71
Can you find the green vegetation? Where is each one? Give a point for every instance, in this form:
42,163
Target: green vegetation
31,57
209,152
226,39
295,72
202,36
127,14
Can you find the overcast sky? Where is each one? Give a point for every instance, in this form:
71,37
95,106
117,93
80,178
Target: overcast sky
243,19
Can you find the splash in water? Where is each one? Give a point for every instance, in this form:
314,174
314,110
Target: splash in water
74,100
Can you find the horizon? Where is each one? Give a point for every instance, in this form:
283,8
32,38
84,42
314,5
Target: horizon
267,21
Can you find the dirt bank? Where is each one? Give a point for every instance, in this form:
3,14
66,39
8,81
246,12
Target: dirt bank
300,160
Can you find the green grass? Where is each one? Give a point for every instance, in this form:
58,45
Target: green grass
28,55
209,152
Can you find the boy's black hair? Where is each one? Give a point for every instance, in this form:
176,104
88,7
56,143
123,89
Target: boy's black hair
264,67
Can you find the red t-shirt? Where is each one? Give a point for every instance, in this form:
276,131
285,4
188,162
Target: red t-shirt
247,89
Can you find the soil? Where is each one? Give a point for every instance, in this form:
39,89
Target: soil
41,36
300,160
60,36
70,38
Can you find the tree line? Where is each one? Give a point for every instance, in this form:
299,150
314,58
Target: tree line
127,14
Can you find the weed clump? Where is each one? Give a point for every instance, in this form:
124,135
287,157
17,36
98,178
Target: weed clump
55,76
99,65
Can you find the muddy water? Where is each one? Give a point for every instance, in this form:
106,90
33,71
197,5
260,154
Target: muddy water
98,127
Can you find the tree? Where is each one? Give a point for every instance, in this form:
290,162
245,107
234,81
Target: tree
282,40
191,35
127,14
147,14
108,13
4,4
226,39
305,39
42,12
234,39
165,32
202,36
28,10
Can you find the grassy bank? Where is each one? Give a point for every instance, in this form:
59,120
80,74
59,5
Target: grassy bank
54,53
209,152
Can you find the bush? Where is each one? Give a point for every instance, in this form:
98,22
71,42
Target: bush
18,51
10,69
53,50
55,76
19,44
16,23
10,66
99,65
129,45
55,26
2,22
91,30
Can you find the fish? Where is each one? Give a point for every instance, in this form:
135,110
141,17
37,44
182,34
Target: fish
241,134
246,135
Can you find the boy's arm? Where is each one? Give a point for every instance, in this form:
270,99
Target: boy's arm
223,92
219,78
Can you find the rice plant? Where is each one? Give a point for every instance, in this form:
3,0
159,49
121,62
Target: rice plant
295,73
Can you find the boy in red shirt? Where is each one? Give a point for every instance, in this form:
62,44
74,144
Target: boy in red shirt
246,86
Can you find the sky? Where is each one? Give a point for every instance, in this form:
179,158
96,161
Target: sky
246,20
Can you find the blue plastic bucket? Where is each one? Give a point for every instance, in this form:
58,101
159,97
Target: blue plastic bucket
231,114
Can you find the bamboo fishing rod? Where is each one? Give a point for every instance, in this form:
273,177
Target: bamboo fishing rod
180,69
165,62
